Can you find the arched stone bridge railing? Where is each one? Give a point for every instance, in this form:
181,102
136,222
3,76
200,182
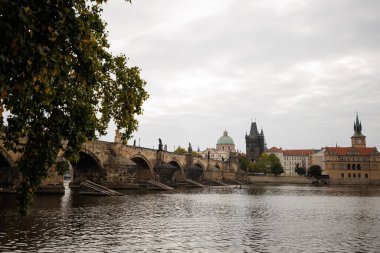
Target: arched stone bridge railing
119,165
147,160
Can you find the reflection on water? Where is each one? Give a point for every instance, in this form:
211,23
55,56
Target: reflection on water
219,219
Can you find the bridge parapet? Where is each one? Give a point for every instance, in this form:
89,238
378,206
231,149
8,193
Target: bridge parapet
116,164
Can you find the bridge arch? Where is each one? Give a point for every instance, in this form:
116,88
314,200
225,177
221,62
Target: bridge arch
8,173
88,167
175,163
144,170
94,157
199,165
179,175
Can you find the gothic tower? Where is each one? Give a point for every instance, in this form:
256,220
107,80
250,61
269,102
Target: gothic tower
255,143
358,139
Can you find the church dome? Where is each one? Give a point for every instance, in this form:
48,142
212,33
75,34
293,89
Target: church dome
225,140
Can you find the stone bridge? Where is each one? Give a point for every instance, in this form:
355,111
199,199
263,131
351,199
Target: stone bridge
122,166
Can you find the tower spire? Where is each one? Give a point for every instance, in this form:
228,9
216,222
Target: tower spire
358,139
358,125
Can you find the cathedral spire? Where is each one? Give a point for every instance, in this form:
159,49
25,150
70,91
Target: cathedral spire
358,126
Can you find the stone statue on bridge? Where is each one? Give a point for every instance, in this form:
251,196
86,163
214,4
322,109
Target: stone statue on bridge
159,144
190,149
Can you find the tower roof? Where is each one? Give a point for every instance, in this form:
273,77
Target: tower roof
253,131
225,140
351,150
357,127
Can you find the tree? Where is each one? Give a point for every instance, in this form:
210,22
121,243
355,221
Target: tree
246,164
194,153
262,164
60,87
315,171
275,165
180,151
300,170
273,159
269,164
277,169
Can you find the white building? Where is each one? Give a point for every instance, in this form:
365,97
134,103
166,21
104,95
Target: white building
224,146
289,158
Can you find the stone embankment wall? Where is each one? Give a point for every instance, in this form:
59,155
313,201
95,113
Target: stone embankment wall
280,179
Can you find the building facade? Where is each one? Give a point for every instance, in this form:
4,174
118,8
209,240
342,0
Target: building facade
289,158
357,164
255,143
318,158
215,154
224,146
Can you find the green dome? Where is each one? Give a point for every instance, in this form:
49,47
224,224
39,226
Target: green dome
225,140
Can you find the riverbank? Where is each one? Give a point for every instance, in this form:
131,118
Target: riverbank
279,180
43,189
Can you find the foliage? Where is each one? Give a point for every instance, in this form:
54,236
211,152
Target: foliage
262,164
314,171
62,167
59,85
300,170
246,164
180,151
269,164
194,153
277,169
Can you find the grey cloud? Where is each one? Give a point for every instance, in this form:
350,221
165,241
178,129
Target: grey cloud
303,68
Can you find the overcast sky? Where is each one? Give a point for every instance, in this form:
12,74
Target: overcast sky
302,69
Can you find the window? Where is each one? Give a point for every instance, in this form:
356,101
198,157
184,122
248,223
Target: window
348,166
349,175
354,175
342,175
359,175
366,175
353,167
358,166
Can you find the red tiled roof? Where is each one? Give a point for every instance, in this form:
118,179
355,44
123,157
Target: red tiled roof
275,149
350,150
298,152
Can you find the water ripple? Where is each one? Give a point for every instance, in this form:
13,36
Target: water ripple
253,219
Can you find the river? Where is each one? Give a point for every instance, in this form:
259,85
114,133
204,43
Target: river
260,218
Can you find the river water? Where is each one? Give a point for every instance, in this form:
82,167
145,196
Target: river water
216,219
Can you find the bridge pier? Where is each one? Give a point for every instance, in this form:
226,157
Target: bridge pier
121,166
